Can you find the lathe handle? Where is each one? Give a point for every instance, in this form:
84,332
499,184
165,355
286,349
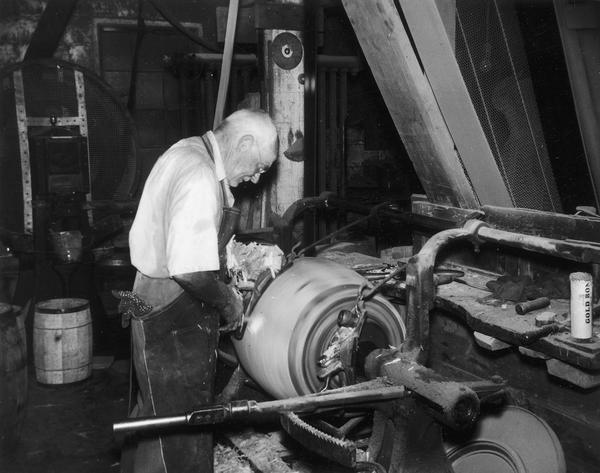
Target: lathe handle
453,403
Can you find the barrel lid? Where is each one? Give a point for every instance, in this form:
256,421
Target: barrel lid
512,441
62,306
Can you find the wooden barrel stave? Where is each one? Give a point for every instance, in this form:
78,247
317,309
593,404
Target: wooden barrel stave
13,379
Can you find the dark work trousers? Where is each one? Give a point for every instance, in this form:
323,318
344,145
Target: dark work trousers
174,354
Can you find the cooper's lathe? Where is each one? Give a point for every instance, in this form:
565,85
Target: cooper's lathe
337,351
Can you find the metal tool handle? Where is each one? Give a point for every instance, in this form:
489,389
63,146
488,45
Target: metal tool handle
150,423
368,392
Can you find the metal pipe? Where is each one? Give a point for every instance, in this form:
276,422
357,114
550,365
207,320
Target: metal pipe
351,63
420,288
332,148
321,145
453,403
570,250
372,391
409,218
150,423
342,112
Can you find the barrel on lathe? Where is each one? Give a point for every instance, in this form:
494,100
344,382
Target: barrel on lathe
13,378
295,319
62,341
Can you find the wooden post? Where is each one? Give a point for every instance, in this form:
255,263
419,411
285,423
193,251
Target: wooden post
285,89
410,101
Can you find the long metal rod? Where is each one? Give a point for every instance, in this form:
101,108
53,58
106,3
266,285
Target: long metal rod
350,63
368,392
570,250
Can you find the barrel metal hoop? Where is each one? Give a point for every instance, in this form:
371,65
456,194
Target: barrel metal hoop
54,329
64,370
63,310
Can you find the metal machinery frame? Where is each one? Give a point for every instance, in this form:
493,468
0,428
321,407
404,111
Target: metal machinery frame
546,369
421,290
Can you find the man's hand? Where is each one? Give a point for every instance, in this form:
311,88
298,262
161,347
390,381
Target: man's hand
205,286
231,314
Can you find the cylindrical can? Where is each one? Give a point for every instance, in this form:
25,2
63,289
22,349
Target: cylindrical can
581,305
523,308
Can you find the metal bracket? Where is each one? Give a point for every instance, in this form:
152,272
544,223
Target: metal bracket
23,122
24,151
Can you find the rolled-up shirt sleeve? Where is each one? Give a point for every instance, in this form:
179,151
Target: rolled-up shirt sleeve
192,217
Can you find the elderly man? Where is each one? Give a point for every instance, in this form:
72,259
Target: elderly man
175,248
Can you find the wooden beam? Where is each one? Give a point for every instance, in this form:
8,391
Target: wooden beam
437,56
410,101
50,29
582,63
286,107
447,9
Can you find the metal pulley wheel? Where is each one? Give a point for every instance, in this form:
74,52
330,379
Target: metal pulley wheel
287,50
296,318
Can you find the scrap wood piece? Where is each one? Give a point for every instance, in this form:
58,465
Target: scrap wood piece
263,450
480,314
269,453
228,461
246,261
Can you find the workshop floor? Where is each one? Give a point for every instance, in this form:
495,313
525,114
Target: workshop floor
68,428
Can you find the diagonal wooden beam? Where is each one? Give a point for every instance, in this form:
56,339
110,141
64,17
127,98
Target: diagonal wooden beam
437,56
410,101
50,29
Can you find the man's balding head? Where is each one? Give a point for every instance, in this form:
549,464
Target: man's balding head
249,144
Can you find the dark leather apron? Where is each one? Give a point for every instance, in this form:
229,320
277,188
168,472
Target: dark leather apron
175,362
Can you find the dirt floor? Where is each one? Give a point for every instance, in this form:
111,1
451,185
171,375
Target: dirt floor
68,428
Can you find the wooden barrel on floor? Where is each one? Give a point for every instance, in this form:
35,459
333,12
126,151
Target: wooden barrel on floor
62,341
13,379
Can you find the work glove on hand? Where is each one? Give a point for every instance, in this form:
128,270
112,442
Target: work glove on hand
232,312
206,287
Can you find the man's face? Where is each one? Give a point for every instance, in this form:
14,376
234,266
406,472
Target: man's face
248,167
252,176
